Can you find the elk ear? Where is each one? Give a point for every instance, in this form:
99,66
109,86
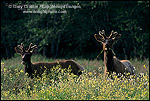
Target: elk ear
33,49
116,37
99,38
18,50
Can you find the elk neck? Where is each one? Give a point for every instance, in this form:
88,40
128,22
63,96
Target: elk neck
27,68
108,59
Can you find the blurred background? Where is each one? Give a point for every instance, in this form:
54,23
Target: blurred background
70,34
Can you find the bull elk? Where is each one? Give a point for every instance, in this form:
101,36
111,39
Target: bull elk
110,61
38,68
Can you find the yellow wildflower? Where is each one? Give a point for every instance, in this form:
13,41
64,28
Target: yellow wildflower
144,66
21,71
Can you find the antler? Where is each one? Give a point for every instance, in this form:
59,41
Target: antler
30,49
102,33
21,47
113,34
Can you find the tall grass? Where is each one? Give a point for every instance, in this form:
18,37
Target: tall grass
92,84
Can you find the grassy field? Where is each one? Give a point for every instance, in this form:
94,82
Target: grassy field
92,84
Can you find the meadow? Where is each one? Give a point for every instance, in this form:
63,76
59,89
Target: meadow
15,85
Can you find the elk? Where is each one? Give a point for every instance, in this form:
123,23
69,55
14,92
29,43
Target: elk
111,63
38,68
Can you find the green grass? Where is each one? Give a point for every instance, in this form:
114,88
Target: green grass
92,84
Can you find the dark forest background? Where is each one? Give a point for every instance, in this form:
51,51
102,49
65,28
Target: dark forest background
71,34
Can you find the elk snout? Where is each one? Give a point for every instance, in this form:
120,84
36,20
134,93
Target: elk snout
105,47
23,58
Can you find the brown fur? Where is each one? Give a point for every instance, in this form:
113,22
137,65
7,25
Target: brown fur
38,68
110,61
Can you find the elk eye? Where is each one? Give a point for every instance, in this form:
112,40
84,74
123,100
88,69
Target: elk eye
22,54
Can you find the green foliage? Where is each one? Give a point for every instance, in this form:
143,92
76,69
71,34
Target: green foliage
70,34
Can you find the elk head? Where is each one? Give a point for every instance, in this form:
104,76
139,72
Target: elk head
107,41
26,54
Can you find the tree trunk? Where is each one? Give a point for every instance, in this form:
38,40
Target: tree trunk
53,48
57,45
44,51
125,54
